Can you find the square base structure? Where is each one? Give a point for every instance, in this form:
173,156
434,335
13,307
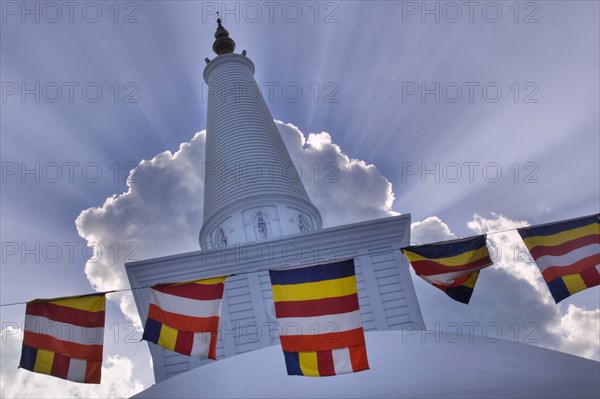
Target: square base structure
385,289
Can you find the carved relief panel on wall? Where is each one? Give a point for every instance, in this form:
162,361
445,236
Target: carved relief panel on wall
261,223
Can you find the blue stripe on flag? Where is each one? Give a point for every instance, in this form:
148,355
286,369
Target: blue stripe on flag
152,330
557,227
28,355
292,362
558,289
311,274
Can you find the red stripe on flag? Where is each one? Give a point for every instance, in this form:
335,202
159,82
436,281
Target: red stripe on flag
564,248
69,349
317,307
60,366
460,280
182,322
93,371
322,342
358,357
431,268
184,342
325,363
205,292
65,314
590,277
554,272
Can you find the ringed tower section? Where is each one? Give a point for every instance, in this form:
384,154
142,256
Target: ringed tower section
252,191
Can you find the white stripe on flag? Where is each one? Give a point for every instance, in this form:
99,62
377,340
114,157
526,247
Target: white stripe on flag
342,361
64,331
186,306
448,278
201,344
77,370
567,259
330,323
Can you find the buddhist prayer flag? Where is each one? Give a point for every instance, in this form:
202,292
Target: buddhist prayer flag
567,253
320,327
64,337
451,266
184,317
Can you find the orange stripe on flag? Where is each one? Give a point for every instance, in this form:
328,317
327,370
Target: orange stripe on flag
554,272
182,322
358,357
69,349
322,342
212,350
93,371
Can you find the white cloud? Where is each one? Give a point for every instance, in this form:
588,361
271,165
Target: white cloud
510,294
118,379
345,190
431,229
509,251
578,330
161,213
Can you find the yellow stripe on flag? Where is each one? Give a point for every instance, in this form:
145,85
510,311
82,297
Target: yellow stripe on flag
91,303
574,283
206,281
43,361
315,290
209,281
471,280
168,337
308,363
458,260
560,238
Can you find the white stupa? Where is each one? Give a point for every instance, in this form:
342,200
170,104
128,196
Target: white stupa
403,365
257,215
252,190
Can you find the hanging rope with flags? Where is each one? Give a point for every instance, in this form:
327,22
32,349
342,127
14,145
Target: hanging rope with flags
183,316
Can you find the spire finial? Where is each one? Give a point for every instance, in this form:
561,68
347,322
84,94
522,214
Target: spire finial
223,43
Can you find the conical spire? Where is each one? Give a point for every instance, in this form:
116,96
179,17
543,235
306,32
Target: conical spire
223,43
252,191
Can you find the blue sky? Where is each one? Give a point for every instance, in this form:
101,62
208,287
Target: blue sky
500,103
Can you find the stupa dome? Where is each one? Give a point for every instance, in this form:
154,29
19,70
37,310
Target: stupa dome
408,364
